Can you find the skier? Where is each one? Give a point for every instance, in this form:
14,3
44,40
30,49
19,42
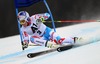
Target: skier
35,31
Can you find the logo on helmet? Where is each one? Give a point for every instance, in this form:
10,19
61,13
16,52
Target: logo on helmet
23,16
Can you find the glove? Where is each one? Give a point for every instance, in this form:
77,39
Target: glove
42,19
51,45
25,43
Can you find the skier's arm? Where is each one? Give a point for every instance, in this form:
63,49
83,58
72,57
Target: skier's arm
25,37
43,16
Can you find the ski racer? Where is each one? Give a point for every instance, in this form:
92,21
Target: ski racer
34,30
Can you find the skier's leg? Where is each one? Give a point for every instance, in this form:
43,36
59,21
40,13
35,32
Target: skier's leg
38,41
42,42
62,41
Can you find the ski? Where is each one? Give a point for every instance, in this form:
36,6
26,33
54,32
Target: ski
59,49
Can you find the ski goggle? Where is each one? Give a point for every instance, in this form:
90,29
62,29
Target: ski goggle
22,22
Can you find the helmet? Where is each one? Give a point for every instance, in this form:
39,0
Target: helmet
23,16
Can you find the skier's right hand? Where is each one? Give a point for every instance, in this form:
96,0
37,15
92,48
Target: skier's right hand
25,43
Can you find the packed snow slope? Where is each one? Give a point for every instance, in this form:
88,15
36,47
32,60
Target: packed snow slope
11,51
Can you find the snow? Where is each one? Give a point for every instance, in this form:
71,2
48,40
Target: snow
11,51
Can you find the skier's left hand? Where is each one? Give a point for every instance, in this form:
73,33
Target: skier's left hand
52,45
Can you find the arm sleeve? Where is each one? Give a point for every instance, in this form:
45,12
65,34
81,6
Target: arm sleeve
45,16
25,36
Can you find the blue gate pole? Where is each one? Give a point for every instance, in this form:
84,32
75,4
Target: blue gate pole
19,29
19,26
53,24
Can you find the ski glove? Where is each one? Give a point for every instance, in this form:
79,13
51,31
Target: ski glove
51,45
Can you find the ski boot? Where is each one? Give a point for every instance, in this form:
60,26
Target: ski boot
78,41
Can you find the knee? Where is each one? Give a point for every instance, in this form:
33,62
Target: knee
32,39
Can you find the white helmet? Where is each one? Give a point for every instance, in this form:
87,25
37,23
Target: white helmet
23,15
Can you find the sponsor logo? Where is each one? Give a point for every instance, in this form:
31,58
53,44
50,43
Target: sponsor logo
40,42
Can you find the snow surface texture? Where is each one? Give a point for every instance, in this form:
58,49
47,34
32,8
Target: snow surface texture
11,51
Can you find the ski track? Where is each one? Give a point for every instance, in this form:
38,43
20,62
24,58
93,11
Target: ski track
11,52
